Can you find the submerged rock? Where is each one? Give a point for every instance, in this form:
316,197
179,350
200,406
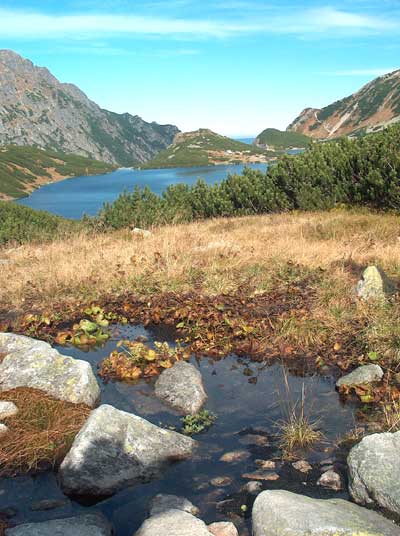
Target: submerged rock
223,528
115,449
235,456
162,502
173,523
181,387
374,285
374,471
84,525
35,364
331,480
7,409
282,513
302,465
361,376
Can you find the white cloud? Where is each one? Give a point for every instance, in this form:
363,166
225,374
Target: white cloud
327,21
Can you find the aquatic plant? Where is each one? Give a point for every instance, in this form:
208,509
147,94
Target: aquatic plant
194,424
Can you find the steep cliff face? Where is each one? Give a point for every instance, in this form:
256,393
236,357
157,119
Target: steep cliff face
36,109
375,106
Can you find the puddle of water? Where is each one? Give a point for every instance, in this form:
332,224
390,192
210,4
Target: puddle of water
248,398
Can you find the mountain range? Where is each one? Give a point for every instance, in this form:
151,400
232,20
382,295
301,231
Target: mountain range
373,107
38,110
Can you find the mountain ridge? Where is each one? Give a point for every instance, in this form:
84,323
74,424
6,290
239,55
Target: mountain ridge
38,110
373,107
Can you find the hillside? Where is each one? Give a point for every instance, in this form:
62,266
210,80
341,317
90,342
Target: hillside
278,140
375,106
204,147
36,109
22,169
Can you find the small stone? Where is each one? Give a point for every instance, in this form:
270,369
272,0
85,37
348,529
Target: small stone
261,475
223,528
142,233
331,480
266,464
3,429
48,504
7,409
162,502
374,285
221,481
361,376
235,456
254,439
253,487
303,466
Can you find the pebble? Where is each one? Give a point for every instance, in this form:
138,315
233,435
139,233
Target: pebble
261,475
253,487
7,409
266,464
332,480
303,466
235,456
221,481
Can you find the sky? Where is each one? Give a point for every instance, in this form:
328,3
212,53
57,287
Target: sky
234,66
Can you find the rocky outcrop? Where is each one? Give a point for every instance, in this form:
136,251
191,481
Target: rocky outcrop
115,449
361,376
162,502
282,513
374,471
84,525
181,387
173,523
375,106
36,109
32,363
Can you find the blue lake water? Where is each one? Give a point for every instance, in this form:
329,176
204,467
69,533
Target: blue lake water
72,198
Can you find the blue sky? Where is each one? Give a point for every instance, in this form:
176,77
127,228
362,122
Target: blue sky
231,65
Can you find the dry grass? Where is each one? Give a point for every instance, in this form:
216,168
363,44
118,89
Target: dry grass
41,432
216,256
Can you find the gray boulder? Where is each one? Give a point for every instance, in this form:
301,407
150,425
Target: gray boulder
84,525
374,285
361,376
173,523
181,387
374,471
115,449
282,513
163,502
35,364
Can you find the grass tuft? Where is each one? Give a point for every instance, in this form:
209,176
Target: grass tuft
40,434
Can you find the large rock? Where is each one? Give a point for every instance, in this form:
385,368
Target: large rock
181,387
35,364
374,285
282,513
116,449
163,502
84,525
173,523
361,376
374,471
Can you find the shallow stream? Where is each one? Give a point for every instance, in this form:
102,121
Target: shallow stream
249,399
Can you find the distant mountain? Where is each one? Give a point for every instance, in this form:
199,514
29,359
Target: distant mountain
22,169
204,147
278,140
36,109
375,106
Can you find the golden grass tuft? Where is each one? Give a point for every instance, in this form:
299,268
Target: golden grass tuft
217,256
40,434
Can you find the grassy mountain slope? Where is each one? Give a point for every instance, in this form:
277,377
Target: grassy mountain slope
275,139
22,169
375,106
204,147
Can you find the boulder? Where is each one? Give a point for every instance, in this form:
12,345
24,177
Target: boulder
282,513
374,471
7,409
361,376
173,523
35,364
115,449
162,502
223,528
373,285
181,387
84,525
